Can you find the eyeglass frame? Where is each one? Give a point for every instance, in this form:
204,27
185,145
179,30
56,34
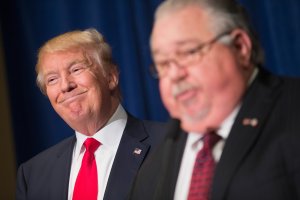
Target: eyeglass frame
199,51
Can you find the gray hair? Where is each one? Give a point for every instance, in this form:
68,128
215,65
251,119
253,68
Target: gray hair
226,15
90,41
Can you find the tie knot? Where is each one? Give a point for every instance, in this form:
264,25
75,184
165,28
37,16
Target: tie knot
91,145
210,139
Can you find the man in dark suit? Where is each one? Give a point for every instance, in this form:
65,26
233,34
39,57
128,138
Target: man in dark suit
76,72
208,64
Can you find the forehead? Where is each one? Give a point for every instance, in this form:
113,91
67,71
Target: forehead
61,58
176,27
68,54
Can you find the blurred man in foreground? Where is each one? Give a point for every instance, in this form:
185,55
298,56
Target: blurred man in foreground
237,133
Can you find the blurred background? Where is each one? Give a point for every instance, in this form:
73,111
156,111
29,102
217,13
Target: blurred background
28,123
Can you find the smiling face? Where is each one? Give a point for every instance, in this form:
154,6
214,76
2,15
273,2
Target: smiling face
204,93
79,91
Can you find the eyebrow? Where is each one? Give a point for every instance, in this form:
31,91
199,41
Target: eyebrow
77,62
69,65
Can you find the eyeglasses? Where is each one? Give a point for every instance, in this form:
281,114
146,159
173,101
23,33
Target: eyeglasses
185,58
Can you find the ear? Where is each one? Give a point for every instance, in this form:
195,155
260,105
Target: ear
113,79
242,44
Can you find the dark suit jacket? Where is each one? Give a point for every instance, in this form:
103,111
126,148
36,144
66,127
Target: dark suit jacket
259,162
46,176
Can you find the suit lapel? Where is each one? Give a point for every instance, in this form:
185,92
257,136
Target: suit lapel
257,104
172,151
59,182
130,155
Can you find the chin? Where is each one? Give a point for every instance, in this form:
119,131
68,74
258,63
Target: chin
76,115
194,121
195,115
193,127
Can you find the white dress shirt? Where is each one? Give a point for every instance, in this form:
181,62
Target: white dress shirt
193,144
109,136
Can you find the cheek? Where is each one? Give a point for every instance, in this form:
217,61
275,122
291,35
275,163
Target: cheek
166,94
224,86
99,91
217,74
52,96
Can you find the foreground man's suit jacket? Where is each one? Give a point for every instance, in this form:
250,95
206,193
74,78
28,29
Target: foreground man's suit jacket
46,176
259,162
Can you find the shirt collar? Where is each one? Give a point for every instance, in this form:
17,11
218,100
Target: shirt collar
225,127
109,136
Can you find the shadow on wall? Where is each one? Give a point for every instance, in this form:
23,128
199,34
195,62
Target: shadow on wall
7,151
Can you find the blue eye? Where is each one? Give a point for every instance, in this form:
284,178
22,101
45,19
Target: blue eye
76,70
51,80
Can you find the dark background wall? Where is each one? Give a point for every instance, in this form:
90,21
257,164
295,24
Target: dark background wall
29,122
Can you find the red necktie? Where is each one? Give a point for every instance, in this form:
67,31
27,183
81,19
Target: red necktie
86,186
203,169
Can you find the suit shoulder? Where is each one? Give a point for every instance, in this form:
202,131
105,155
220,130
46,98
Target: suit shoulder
156,133
287,86
153,124
290,88
150,132
48,154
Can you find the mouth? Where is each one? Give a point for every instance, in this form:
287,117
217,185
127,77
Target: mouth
186,97
184,93
70,97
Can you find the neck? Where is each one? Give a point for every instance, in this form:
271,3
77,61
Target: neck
97,121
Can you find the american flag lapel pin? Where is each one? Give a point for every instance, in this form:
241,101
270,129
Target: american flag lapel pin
137,151
250,122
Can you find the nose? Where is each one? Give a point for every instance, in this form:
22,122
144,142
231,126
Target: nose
176,71
67,84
